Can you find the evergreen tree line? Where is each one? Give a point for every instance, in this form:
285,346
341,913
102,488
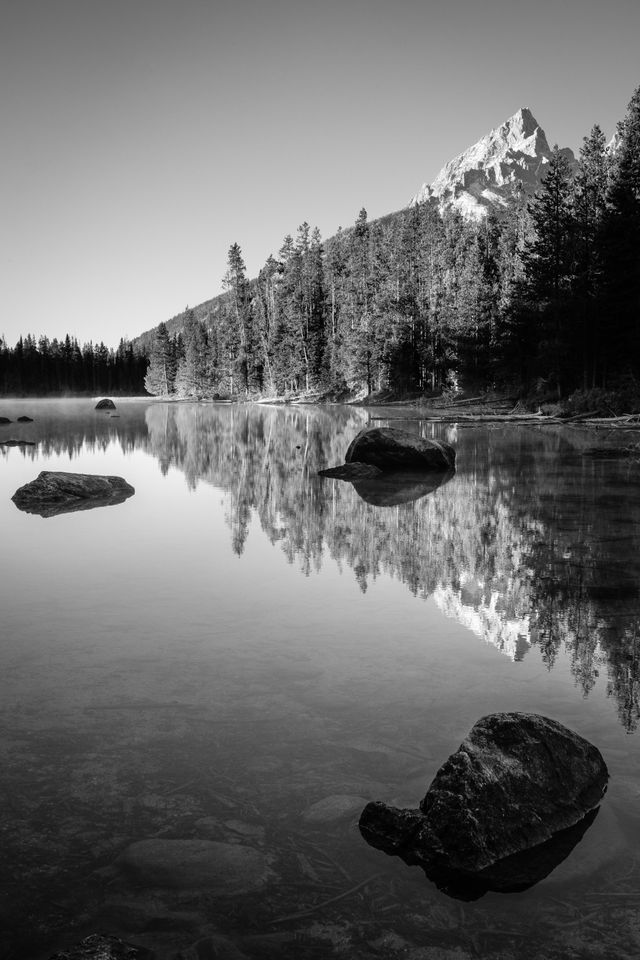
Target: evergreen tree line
545,298
55,367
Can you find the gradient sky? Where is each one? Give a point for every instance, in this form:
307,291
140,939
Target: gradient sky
141,138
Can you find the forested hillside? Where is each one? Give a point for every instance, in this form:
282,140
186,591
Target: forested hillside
543,300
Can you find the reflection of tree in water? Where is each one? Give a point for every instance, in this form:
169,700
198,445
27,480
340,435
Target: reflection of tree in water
531,543
69,427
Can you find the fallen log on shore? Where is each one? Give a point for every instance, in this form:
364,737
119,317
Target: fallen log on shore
629,422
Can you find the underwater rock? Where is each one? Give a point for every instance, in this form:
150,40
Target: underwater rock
332,808
53,492
392,449
351,471
216,947
515,782
97,947
105,404
225,868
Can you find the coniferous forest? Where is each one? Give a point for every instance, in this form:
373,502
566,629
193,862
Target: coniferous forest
543,301
55,367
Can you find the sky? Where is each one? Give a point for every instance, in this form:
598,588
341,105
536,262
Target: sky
141,138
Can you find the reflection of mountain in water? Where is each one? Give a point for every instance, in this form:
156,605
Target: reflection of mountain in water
485,615
529,543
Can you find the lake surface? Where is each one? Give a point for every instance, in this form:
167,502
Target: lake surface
244,653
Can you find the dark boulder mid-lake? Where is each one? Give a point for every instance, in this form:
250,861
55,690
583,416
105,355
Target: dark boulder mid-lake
105,404
517,783
391,449
388,466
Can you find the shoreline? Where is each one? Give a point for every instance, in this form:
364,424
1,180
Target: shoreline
472,411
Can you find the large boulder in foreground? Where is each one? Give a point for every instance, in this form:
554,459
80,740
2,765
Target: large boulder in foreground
519,786
55,492
391,449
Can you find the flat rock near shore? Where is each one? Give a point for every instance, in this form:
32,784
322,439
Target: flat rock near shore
54,492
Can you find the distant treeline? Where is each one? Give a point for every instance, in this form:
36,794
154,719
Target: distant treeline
545,299
46,367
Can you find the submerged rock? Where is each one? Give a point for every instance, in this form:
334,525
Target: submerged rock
55,492
226,868
332,808
105,404
515,784
97,947
392,449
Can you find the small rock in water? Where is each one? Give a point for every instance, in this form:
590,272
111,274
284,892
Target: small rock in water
5,420
333,808
227,869
25,419
17,443
105,404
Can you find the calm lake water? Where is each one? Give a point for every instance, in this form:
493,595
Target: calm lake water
244,653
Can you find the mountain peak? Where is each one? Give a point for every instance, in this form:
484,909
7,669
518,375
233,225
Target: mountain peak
488,173
524,121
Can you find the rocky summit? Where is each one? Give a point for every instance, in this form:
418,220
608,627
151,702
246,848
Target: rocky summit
486,177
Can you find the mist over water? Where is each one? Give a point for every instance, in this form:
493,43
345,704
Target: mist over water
242,640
